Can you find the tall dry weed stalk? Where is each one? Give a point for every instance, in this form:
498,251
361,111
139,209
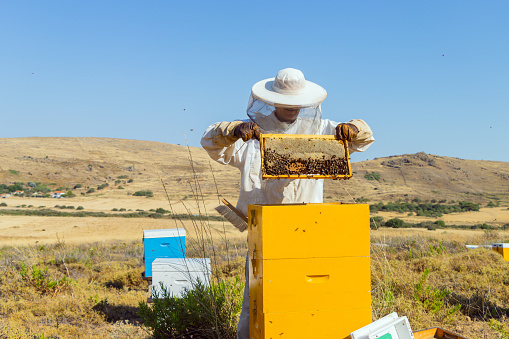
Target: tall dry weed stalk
211,308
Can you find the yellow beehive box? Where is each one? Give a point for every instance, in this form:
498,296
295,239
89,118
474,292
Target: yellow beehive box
323,325
504,250
308,285
309,270
308,231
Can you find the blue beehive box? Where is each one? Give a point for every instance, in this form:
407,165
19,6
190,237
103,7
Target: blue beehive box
166,243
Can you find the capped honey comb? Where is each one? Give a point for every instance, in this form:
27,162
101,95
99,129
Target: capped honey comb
304,157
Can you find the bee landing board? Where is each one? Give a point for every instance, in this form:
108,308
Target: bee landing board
296,156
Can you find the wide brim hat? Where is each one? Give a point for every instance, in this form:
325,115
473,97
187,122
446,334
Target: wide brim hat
289,88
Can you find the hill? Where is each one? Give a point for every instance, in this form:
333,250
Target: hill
188,171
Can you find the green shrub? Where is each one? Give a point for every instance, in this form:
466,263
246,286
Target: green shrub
130,180
70,194
92,190
79,208
440,223
14,172
395,223
42,281
3,204
120,188
211,311
100,187
143,193
372,176
77,186
122,177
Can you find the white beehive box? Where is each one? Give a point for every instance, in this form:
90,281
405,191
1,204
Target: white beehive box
179,274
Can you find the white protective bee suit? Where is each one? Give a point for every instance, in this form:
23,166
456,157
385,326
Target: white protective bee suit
222,146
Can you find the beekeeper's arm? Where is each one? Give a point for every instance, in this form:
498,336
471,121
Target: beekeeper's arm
356,131
223,141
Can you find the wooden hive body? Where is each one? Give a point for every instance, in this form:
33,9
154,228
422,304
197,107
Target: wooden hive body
309,270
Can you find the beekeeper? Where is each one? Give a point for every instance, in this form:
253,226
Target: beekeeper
287,104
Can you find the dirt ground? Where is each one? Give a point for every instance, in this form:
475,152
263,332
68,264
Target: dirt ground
23,230
107,202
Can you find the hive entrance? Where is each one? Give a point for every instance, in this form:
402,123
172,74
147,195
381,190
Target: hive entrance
304,156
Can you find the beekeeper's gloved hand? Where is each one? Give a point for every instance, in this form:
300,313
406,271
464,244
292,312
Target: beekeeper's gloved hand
247,130
346,131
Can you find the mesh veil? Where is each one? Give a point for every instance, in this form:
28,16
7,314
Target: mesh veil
262,113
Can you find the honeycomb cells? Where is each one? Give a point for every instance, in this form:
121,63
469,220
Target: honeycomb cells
302,156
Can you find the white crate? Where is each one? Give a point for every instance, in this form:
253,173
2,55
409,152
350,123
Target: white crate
390,326
179,274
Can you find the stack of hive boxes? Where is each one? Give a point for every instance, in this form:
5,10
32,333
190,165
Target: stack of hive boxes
309,270
166,264
502,249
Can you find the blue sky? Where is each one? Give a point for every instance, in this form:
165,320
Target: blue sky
427,76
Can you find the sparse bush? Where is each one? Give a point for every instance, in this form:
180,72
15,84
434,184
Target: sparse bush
143,193
102,186
395,223
440,223
212,311
70,194
77,186
80,208
122,210
120,187
372,176
91,190
13,172
40,279
130,181
161,210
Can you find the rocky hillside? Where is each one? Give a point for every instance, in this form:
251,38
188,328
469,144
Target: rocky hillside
93,161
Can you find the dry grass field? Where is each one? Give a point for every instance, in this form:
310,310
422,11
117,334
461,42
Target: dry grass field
429,276
80,277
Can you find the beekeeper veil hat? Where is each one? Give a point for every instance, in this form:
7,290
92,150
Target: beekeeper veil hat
288,89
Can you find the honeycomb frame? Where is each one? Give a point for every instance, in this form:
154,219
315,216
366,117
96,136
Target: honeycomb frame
290,166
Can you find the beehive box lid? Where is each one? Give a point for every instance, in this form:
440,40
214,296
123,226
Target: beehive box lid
297,156
181,265
164,233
